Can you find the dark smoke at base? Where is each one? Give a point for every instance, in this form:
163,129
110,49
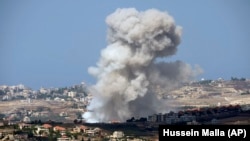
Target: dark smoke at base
128,74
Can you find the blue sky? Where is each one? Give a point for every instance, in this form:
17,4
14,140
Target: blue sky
51,43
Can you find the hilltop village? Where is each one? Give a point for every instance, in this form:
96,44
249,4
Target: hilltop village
56,113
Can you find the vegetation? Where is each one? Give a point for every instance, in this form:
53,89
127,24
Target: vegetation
245,93
238,79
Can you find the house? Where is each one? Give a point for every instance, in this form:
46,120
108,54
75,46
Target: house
63,114
80,129
93,132
152,118
64,138
90,132
47,126
71,94
21,136
24,125
60,129
40,130
26,119
117,134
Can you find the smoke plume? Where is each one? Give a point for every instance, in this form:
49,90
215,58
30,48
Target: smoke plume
128,73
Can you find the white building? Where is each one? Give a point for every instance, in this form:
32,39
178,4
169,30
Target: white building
41,130
2,87
43,91
20,86
118,134
64,138
71,94
26,120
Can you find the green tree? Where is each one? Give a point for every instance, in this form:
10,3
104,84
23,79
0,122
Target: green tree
68,134
51,133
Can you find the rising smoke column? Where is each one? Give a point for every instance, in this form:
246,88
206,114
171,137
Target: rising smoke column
128,74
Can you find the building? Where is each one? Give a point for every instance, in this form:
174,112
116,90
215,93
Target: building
117,134
71,94
93,132
26,120
47,126
64,138
60,129
80,129
152,118
40,130
43,90
24,125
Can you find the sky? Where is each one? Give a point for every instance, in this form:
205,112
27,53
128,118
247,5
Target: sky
52,43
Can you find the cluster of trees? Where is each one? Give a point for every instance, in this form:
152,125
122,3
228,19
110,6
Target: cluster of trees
238,79
142,119
204,82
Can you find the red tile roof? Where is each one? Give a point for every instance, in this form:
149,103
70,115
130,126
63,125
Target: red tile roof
59,128
83,127
47,126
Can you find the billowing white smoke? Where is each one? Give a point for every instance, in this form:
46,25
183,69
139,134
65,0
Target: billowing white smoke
128,73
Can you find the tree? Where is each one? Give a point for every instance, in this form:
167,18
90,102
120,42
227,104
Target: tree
68,134
75,121
51,133
238,79
39,121
15,126
30,133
